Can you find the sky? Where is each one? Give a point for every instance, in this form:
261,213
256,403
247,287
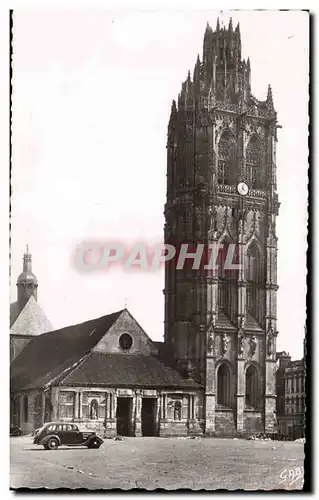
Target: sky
92,92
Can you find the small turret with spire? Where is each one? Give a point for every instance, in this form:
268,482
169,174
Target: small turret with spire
27,282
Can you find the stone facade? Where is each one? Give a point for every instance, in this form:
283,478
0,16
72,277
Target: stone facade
221,325
175,412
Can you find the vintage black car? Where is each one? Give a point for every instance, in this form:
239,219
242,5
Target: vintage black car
54,434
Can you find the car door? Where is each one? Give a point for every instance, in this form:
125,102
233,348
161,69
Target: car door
62,433
75,436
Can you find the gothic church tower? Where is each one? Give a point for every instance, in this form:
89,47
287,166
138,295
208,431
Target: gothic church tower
221,189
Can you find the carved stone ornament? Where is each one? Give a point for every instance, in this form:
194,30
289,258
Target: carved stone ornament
211,218
203,120
242,216
212,322
241,322
191,370
270,344
210,342
225,343
253,345
241,341
271,227
271,335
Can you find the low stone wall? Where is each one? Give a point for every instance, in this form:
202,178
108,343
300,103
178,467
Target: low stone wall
168,428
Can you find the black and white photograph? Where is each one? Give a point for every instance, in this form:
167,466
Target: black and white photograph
158,248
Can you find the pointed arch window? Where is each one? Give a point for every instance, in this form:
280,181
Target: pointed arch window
252,388
254,271
254,163
254,274
226,159
226,276
223,386
221,258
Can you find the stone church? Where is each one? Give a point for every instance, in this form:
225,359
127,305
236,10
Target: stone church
214,374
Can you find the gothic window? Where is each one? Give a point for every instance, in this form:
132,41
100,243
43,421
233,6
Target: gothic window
225,276
26,408
253,264
252,389
226,159
254,275
223,386
254,163
221,259
177,410
94,410
227,255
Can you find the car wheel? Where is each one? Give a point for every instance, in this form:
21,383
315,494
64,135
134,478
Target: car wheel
52,444
94,444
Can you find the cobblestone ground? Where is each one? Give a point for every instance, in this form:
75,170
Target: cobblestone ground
152,463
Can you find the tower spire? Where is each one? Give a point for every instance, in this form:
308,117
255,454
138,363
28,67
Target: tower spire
27,261
27,282
196,69
270,102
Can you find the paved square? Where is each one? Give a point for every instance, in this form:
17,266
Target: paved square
169,463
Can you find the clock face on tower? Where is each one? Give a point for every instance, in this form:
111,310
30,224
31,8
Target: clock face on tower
242,188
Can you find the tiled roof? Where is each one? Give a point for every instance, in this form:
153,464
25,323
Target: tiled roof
100,369
31,320
45,354
65,357
14,312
